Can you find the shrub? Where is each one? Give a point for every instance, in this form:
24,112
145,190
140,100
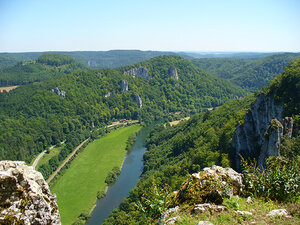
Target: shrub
112,176
280,180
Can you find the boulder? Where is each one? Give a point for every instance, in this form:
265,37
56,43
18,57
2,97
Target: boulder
244,213
171,221
25,197
204,223
249,200
209,207
278,212
167,213
210,185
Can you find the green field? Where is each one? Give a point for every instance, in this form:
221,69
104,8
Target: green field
77,189
46,157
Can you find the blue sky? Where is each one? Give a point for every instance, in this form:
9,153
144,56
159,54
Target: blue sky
174,25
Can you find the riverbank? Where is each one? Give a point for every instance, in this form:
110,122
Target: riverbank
77,189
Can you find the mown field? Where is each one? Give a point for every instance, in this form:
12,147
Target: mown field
77,188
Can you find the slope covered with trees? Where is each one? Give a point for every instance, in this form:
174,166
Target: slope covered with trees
47,66
250,74
39,115
205,140
94,59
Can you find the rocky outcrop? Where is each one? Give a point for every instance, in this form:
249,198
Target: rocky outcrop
108,94
124,85
137,99
210,186
138,72
61,93
25,197
173,73
209,207
244,213
204,222
250,136
278,212
261,133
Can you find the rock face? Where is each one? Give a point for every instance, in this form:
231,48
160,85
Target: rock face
61,93
225,182
208,207
278,212
138,100
138,72
124,85
25,197
173,73
250,137
108,94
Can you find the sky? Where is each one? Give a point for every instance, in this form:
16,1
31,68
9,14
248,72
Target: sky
163,25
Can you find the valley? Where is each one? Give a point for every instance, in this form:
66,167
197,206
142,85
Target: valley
149,112
201,124
77,188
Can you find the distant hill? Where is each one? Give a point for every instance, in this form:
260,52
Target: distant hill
250,74
67,107
46,66
94,59
236,55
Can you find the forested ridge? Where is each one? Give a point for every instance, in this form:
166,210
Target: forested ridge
205,140
46,66
93,59
250,74
36,116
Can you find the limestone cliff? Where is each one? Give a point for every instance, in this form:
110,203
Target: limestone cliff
138,72
25,197
173,73
138,100
260,135
124,85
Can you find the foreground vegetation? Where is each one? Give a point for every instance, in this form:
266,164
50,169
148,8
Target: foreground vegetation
77,188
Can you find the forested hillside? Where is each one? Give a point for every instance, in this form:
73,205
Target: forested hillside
94,59
42,114
47,66
250,74
206,140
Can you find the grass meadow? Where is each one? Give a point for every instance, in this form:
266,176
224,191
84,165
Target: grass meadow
77,188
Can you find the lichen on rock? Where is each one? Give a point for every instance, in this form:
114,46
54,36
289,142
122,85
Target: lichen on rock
210,185
25,197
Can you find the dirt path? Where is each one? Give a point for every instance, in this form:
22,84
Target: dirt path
65,162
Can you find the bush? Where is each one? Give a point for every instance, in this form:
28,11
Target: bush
112,176
101,194
279,181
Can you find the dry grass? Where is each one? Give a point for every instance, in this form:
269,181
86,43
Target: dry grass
173,123
8,89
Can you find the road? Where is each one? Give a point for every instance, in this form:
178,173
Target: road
65,162
38,158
